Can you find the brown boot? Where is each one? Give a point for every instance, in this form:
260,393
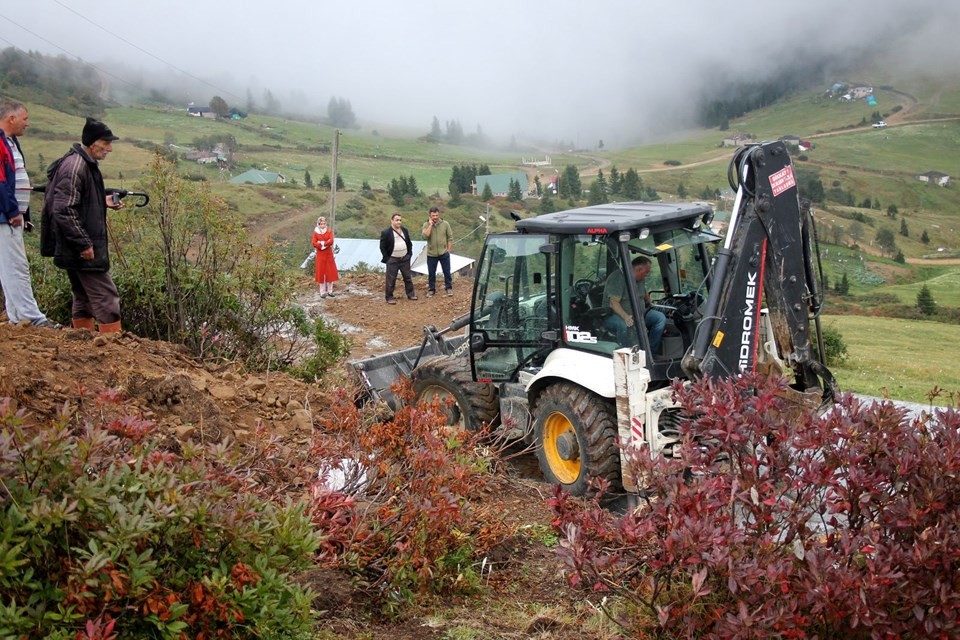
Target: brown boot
82,323
110,327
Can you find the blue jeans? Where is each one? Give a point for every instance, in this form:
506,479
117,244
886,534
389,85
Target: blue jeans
444,262
654,320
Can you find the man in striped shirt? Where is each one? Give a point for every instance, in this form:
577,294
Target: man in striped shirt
14,219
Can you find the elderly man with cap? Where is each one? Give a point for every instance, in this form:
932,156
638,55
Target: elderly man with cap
74,228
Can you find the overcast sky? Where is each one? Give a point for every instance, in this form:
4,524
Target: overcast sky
574,70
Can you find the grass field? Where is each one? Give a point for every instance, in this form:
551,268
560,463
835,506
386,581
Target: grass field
945,289
901,359
895,151
811,112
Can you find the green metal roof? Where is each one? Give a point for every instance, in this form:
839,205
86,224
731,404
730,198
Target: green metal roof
500,182
254,176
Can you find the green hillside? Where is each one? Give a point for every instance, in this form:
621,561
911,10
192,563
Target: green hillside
868,177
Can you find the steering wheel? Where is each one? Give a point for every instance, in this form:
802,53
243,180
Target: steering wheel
685,305
582,287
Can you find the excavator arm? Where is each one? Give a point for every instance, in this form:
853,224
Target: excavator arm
769,260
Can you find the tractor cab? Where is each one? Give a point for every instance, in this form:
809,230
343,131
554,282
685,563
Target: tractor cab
552,284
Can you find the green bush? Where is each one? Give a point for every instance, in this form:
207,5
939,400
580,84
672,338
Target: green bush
834,345
331,347
187,273
51,288
101,528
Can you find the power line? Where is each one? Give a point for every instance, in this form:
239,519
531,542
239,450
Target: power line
142,50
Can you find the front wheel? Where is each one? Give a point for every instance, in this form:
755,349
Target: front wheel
447,378
576,435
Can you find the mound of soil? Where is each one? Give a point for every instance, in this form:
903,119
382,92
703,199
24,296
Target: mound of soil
43,370
71,372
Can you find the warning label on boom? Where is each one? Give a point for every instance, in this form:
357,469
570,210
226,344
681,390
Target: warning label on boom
782,180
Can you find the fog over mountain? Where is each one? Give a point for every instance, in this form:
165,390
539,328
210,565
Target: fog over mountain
565,70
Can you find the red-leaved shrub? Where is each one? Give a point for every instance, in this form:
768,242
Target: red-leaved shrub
406,523
773,522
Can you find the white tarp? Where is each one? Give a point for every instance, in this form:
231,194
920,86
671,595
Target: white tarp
351,252
457,263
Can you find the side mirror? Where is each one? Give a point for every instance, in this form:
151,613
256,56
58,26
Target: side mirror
478,342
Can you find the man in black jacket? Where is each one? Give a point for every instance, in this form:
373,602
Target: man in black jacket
74,228
397,251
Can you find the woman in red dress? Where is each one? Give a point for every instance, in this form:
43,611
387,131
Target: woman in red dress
326,271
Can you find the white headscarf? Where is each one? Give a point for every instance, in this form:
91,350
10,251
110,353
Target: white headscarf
320,229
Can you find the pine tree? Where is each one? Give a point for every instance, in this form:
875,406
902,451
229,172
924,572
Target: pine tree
616,181
340,112
597,195
843,287
325,182
925,238
487,192
339,182
570,186
925,301
514,194
435,134
412,188
632,187
454,190
601,185
903,228
681,191
547,204
396,192
307,179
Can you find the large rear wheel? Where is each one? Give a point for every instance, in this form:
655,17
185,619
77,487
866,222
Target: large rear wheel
576,435
441,379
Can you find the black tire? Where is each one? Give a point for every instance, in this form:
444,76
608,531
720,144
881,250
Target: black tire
576,437
474,403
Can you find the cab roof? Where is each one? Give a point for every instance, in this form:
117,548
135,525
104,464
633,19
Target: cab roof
618,216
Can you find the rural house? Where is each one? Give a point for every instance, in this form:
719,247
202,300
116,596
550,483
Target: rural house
791,140
201,157
736,140
200,111
934,177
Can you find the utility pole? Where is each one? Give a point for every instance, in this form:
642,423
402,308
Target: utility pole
333,180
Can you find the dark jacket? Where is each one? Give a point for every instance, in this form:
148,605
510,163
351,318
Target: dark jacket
9,208
386,242
75,213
